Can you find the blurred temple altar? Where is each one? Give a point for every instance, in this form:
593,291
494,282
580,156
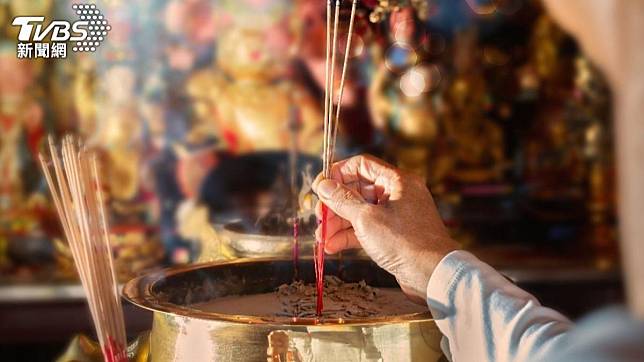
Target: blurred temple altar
206,116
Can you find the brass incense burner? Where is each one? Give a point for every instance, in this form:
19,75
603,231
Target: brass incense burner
182,333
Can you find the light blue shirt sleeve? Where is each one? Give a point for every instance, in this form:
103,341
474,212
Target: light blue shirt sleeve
485,317
609,335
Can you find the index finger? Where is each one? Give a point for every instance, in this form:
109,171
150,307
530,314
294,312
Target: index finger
361,168
369,176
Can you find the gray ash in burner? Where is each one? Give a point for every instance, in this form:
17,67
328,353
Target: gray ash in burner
341,300
346,300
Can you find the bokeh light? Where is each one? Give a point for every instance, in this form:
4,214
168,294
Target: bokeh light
399,57
482,7
413,83
404,30
420,79
357,44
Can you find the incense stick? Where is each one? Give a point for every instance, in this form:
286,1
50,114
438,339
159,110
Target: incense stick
330,128
347,50
330,119
78,199
326,86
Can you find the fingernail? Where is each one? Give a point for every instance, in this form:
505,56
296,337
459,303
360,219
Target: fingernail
326,188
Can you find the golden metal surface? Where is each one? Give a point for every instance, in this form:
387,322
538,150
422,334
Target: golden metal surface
179,338
180,333
84,349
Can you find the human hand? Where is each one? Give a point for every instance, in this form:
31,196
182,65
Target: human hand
387,212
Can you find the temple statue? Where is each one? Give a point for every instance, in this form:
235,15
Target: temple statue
476,141
118,137
21,129
247,93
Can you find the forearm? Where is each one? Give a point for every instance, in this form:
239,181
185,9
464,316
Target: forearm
485,317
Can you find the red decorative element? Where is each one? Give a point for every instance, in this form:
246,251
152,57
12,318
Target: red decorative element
6,122
319,263
370,3
231,140
192,169
34,139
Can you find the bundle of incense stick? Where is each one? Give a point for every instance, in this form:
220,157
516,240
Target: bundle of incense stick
76,190
331,122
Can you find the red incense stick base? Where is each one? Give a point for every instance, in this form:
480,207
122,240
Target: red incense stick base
114,352
319,263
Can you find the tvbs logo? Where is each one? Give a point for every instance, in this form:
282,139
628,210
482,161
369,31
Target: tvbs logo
86,34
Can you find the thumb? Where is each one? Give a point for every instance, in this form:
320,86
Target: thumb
345,202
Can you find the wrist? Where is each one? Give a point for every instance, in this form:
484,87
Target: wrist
419,269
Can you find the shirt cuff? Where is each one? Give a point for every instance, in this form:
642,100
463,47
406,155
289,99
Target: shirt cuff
446,273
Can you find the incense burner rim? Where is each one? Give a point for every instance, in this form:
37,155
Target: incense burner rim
138,291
